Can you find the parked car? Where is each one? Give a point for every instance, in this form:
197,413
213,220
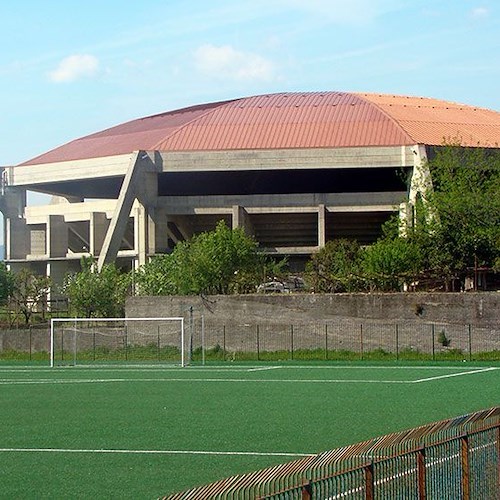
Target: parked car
273,287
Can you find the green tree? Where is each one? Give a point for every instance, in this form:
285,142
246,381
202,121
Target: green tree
217,262
391,262
463,211
97,294
156,277
30,292
336,267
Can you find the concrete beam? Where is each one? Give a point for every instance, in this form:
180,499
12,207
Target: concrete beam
278,159
308,202
31,175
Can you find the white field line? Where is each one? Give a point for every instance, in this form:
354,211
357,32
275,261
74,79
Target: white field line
450,375
264,368
156,452
206,380
156,368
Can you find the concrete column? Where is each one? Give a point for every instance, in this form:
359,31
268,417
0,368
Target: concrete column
57,236
17,241
56,271
405,218
241,219
15,231
322,210
421,177
141,237
98,227
157,231
421,181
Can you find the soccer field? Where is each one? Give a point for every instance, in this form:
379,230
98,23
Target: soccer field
146,431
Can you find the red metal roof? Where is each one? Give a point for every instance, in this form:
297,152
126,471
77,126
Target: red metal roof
292,120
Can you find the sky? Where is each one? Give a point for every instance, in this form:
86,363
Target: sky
68,69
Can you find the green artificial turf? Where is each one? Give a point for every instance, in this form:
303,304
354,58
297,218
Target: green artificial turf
284,409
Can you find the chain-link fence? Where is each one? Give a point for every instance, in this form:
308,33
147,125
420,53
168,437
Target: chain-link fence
207,340
338,340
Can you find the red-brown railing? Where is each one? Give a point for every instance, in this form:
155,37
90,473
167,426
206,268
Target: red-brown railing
454,458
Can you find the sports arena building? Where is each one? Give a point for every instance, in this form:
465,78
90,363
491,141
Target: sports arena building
293,169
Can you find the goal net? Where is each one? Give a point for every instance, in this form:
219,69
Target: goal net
84,341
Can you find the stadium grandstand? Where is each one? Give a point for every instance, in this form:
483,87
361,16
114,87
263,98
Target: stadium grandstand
295,170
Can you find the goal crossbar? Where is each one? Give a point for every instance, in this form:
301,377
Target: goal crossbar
80,330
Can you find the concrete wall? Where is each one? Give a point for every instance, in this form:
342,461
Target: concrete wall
465,308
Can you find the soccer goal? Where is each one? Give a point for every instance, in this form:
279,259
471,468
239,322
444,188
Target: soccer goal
86,341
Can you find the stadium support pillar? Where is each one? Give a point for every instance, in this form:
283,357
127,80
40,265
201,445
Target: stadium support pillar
158,232
241,218
12,205
16,235
56,271
322,210
420,183
57,236
405,218
141,163
98,227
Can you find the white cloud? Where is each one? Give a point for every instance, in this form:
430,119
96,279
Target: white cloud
480,12
75,67
227,62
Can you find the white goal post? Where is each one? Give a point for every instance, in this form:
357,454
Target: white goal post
84,341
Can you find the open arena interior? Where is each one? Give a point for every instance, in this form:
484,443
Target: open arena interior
295,170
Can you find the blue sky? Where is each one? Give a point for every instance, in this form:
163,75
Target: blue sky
71,68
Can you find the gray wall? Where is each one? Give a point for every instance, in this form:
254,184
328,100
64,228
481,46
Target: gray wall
464,308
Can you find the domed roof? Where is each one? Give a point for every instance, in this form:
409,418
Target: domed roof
292,120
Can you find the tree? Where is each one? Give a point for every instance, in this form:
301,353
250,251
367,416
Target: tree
336,267
97,294
217,262
391,262
30,292
463,210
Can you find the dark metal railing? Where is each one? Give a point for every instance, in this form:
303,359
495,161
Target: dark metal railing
454,458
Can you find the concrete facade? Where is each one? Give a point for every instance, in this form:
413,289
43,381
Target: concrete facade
127,208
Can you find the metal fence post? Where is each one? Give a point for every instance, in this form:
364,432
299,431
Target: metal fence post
397,341
158,342
433,342
126,344
307,492
31,342
258,342
326,341
464,445
498,454
422,481
361,341
223,342
369,482
470,342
